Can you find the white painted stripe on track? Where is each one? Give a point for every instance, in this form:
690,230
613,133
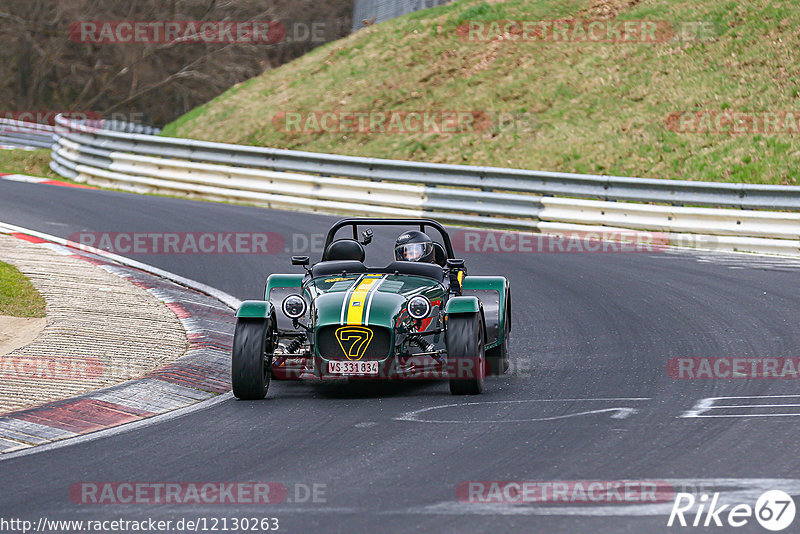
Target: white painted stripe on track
620,412
24,178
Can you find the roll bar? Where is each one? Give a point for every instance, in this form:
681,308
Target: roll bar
356,222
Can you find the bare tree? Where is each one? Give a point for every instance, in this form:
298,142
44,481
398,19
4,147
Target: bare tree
42,68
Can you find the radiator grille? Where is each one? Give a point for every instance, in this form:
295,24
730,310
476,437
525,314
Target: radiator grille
362,343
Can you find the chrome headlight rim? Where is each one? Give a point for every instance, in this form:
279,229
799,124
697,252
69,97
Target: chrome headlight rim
427,306
290,300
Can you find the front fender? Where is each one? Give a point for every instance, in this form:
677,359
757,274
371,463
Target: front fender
254,309
494,292
466,304
463,304
275,281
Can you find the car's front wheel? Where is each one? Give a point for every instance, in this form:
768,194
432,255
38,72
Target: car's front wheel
465,354
251,361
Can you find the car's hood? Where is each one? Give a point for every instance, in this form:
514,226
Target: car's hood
377,308
377,300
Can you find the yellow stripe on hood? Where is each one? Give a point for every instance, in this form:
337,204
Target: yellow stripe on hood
358,300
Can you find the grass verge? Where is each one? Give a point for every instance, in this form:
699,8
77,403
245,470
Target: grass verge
31,162
18,297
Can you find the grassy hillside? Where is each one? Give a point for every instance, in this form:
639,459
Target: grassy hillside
598,108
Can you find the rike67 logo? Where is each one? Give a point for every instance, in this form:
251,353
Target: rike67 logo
774,510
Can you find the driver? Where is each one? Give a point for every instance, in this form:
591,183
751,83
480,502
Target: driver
414,246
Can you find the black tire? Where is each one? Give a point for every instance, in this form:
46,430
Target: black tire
497,357
251,361
465,343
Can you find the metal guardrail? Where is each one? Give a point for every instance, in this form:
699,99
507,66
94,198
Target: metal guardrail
486,196
383,10
34,135
114,125
674,192
25,134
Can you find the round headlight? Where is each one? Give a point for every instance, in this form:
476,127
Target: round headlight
419,307
294,306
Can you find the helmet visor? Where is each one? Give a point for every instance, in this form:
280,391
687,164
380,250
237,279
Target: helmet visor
413,251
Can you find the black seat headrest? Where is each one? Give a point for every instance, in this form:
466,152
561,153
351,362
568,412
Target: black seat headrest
344,249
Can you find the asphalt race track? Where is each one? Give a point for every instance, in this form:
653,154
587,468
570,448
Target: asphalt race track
588,397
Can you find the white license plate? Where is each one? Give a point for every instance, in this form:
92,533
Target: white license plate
353,368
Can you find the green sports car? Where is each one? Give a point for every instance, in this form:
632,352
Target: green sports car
419,317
